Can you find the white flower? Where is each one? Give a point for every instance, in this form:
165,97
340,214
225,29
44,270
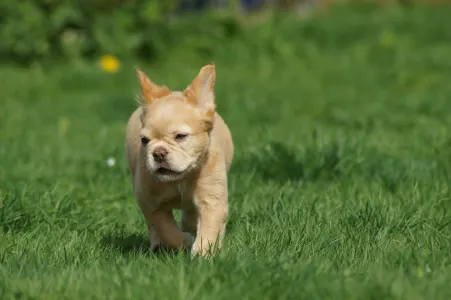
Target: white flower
111,162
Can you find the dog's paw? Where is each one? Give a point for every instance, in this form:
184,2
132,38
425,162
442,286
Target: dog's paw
204,249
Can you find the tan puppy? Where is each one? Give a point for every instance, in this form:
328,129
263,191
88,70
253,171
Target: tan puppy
179,151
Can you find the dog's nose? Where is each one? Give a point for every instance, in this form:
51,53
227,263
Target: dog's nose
159,154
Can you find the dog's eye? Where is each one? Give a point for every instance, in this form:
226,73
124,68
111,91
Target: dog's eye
180,136
144,140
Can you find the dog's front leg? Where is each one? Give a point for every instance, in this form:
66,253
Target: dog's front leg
212,208
164,226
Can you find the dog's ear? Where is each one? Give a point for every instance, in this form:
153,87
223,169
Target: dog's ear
149,90
201,90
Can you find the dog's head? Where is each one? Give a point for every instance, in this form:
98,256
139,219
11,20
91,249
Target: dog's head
176,126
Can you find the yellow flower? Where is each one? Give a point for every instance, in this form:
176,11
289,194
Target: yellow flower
109,63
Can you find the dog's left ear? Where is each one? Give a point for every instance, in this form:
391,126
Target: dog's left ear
201,90
150,91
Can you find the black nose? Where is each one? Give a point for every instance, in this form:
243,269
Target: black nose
159,154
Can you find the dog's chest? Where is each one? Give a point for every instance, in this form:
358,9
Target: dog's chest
169,198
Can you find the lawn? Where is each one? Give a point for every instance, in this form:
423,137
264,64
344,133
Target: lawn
340,185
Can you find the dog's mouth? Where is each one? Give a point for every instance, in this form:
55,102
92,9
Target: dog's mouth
166,171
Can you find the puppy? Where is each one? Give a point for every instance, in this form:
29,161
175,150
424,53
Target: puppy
179,151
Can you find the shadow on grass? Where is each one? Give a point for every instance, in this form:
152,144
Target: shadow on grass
126,244
278,162
133,244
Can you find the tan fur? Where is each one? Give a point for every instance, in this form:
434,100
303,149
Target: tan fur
199,162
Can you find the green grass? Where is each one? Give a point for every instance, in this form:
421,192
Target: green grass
339,189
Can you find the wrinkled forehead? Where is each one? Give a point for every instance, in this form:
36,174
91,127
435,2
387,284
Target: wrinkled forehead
161,129
170,115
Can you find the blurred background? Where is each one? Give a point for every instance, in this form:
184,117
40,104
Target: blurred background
334,70
33,30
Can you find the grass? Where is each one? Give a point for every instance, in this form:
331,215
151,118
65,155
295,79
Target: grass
340,186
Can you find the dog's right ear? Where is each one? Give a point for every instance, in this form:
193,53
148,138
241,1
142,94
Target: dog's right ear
149,90
201,90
